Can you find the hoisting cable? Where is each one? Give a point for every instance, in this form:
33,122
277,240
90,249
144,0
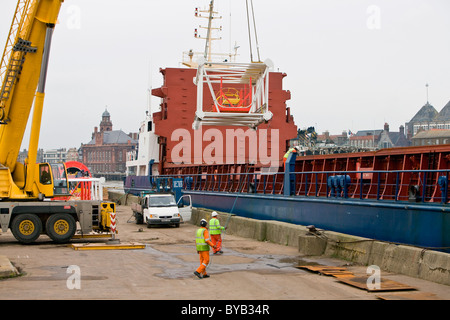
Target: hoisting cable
256,35
249,32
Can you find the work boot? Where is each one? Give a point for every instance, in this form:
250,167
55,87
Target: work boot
206,276
198,275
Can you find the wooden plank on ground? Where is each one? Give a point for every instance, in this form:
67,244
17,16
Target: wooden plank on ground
328,270
92,236
107,246
408,296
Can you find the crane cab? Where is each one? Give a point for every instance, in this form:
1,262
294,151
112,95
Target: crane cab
50,181
53,179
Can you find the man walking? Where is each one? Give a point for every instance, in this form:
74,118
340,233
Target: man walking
215,230
203,242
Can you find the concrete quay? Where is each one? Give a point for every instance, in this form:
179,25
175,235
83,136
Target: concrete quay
7,270
420,263
424,264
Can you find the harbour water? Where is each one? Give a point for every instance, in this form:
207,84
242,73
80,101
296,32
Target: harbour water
116,186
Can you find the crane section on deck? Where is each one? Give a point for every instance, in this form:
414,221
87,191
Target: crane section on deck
240,91
243,96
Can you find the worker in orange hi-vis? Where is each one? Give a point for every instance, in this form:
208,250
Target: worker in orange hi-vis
215,230
203,242
295,149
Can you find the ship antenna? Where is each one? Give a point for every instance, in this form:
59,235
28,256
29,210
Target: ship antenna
149,90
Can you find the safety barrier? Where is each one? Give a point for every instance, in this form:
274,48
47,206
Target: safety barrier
86,188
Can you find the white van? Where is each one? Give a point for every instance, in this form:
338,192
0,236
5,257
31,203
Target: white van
157,209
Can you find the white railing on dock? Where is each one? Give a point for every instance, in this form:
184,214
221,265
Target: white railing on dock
86,188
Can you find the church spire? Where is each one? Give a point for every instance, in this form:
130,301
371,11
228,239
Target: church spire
106,124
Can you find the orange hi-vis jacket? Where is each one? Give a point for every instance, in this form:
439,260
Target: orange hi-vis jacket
203,240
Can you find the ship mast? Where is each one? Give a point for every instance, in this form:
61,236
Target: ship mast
211,15
207,54
190,59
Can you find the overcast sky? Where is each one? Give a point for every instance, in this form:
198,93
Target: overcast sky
351,64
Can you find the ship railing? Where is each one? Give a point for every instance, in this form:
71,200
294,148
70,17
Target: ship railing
131,155
395,185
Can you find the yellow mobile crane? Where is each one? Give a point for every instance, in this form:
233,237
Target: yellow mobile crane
25,186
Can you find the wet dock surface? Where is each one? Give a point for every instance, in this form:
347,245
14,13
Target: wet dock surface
163,270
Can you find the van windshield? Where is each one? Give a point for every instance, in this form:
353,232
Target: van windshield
162,201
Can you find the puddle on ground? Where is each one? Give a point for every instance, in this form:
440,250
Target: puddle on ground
299,261
249,262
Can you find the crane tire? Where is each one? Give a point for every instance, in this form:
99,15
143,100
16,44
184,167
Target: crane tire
60,227
26,227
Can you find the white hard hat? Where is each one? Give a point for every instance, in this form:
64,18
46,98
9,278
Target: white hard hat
203,223
297,148
214,214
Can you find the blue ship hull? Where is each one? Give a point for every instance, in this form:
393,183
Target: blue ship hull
136,184
358,203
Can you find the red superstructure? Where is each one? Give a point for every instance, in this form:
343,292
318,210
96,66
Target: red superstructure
182,147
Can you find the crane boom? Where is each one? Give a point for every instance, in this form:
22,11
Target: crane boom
23,71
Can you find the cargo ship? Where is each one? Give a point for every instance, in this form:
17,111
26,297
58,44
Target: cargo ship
398,195
173,137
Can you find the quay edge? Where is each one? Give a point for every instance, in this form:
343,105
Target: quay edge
407,260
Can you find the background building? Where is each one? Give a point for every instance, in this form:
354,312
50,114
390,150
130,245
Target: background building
105,154
367,139
55,156
72,155
427,118
389,139
431,137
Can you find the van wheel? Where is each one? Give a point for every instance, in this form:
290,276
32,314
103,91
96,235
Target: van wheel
26,227
60,227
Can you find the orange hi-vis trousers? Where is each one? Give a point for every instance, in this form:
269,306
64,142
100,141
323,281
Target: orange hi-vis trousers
204,261
216,239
